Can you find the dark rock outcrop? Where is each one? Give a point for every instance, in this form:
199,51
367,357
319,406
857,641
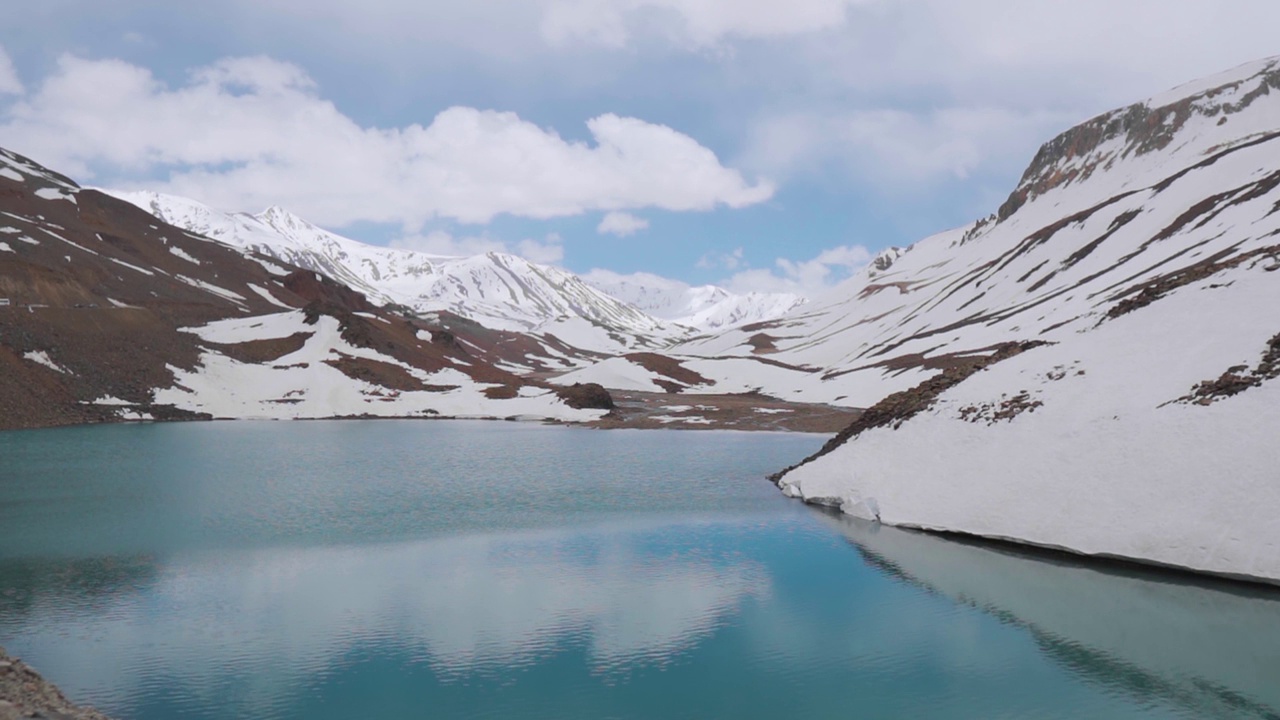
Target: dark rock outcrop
902,406
586,396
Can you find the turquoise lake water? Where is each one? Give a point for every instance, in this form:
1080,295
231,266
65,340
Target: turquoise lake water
423,569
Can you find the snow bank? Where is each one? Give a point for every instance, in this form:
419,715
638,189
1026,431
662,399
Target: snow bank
1108,464
616,374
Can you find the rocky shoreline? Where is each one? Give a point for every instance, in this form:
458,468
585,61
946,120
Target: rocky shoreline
25,694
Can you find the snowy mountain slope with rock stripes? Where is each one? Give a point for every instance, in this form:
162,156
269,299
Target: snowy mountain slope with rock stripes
1093,368
113,314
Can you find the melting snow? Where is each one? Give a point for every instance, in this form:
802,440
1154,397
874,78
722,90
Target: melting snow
110,400
144,271
183,254
54,194
266,295
207,287
42,358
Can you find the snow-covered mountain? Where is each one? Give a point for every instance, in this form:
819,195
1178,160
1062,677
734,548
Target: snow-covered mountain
1094,367
705,307
111,314
500,291
1100,359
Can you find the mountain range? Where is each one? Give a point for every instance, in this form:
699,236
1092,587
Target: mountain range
498,290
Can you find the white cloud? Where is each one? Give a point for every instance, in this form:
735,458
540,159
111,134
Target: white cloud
439,242
548,251
621,224
601,277
247,132
810,278
695,23
729,261
9,82
890,148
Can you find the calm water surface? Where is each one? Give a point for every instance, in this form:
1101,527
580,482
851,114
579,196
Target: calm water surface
499,570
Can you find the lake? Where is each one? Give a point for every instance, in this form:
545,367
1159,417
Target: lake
405,569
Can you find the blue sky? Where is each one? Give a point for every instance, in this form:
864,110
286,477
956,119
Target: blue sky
754,143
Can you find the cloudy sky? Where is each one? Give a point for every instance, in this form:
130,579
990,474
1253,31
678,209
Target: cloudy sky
760,144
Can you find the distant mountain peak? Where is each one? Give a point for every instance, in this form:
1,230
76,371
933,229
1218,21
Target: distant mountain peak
498,290
704,307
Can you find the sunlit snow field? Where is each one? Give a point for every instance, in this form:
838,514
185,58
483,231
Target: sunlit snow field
393,569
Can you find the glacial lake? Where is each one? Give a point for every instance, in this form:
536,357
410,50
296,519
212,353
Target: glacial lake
428,569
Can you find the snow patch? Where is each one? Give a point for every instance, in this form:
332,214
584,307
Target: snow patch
183,254
266,295
41,357
616,374
110,400
208,287
144,271
55,194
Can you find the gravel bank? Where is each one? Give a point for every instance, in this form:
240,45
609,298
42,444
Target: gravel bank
24,694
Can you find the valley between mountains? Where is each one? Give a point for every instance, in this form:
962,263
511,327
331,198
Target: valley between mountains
1091,368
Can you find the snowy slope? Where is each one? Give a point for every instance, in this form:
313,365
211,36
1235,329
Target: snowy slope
500,291
112,314
704,307
1034,265
1142,249
309,382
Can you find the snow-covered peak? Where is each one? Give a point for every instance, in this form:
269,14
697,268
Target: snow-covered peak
1251,73
884,260
705,307
736,310
288,224
500,291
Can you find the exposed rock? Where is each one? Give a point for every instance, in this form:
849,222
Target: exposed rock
583,396
1006,409
25,694
1237,379
1137,130
679,377
901,406
1143,295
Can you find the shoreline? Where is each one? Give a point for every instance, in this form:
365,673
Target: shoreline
634,411
25,693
